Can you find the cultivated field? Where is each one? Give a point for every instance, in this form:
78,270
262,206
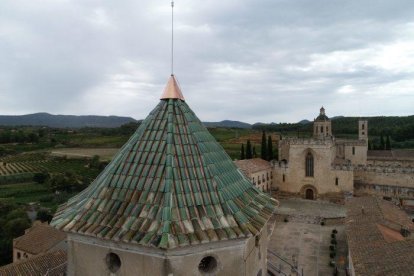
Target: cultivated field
103,153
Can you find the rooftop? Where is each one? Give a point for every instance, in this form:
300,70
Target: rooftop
322,116
50,263
249,166
403,154
170,185
39,239
376,244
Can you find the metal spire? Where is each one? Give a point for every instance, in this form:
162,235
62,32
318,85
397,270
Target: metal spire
172,38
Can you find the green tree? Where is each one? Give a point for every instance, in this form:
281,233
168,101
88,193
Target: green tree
269,148
382,143
44,215
263,150
242,153
254,151
41,177
95,162
15,227
249,150
388,143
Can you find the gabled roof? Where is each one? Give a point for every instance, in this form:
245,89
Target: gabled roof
170,185
249,166
51,264
39,238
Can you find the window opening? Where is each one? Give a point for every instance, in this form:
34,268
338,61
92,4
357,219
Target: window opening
113,262
309,164
207,264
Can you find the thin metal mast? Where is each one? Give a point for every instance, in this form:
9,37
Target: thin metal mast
172,38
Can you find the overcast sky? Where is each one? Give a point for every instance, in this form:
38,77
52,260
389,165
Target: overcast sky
247,60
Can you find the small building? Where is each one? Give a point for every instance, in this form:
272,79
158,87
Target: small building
50,263
380,238
38,239
259,171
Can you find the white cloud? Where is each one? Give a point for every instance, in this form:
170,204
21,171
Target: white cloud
251,60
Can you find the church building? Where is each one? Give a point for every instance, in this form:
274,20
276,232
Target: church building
171,202
321,166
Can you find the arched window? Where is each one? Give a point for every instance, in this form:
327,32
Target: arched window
309,164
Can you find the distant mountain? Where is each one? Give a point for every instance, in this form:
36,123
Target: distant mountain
304,122
337,117
227,123
63,121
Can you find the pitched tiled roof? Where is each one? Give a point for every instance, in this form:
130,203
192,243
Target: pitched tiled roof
51,264
170,185
249,166
39,238
402,154
374,239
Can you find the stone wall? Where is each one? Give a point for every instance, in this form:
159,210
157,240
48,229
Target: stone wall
385,175
262,179
88,256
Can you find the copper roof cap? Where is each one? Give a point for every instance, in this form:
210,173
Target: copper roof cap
172,90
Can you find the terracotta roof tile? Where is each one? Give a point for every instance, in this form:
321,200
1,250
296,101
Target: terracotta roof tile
50,263
170,185
39,238
249,166
402,154
373,236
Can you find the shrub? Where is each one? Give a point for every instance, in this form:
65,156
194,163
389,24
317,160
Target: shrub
44,215
332,254
334,231
333,241
333,236
332,263
40,177
332,247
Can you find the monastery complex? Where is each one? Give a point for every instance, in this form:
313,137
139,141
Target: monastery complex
325,167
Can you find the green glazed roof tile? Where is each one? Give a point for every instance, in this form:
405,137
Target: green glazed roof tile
171,185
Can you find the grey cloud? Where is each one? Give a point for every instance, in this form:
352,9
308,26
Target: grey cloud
244,60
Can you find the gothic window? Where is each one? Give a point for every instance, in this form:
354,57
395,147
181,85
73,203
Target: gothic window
309,164
363,126
336,181
321,129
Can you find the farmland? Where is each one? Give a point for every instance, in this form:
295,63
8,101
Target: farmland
58,156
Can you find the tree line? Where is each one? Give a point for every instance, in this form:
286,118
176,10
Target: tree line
266,149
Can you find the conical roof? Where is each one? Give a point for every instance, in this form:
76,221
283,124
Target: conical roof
170,185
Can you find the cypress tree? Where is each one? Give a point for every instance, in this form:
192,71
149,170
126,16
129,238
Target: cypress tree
242,155
254,151
369,145
269,148
248,150
382,143
263,152
388,143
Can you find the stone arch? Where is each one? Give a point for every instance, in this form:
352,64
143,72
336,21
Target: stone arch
309,192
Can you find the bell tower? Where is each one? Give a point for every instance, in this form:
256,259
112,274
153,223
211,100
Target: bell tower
363,130
322,127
